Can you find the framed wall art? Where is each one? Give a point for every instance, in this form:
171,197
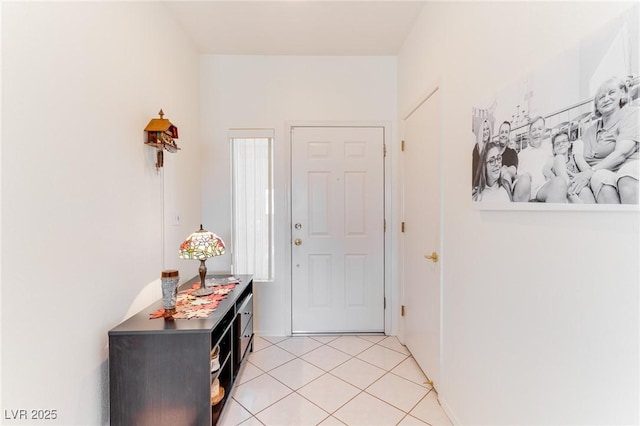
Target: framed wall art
567,135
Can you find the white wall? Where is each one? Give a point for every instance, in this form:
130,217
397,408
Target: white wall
82,203
540,310
269,92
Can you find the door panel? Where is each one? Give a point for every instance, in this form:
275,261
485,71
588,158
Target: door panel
337,210
422,292
318,193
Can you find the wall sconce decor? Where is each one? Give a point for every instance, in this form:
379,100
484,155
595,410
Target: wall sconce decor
202,245
161,134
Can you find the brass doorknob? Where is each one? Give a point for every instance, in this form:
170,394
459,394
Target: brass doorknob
433,256
297,241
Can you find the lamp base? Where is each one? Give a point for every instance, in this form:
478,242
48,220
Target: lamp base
202,291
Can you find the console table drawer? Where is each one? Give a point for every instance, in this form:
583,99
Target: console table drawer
245,337
246,312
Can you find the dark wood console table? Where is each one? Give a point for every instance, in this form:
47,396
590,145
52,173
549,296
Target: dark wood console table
160,371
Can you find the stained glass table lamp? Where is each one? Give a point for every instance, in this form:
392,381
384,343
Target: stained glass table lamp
202,245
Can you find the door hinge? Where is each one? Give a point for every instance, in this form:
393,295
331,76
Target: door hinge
402,146
384,303
402,310
384,225
384,149
402,227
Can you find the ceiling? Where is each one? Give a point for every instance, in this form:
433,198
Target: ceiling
352,27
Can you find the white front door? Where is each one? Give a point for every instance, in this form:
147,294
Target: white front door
337,214
421,285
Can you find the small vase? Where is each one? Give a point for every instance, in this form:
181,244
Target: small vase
170,278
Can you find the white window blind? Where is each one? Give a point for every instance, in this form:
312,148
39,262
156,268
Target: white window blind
251,154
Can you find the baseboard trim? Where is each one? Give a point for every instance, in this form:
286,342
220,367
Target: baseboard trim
448,411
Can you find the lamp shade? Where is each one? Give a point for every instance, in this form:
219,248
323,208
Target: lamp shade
201,245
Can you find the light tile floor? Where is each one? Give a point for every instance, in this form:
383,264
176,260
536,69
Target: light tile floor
332,380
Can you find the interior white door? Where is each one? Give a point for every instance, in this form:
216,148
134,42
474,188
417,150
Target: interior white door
337,213
422,285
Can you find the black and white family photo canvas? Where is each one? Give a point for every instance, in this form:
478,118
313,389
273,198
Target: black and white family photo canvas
566,135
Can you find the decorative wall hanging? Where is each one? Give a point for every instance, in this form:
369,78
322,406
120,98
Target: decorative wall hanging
161,134
567,136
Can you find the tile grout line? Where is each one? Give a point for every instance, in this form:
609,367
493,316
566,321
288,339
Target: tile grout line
332,413
325,372
284,384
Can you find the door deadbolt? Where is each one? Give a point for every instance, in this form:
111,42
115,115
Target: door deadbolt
298,226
